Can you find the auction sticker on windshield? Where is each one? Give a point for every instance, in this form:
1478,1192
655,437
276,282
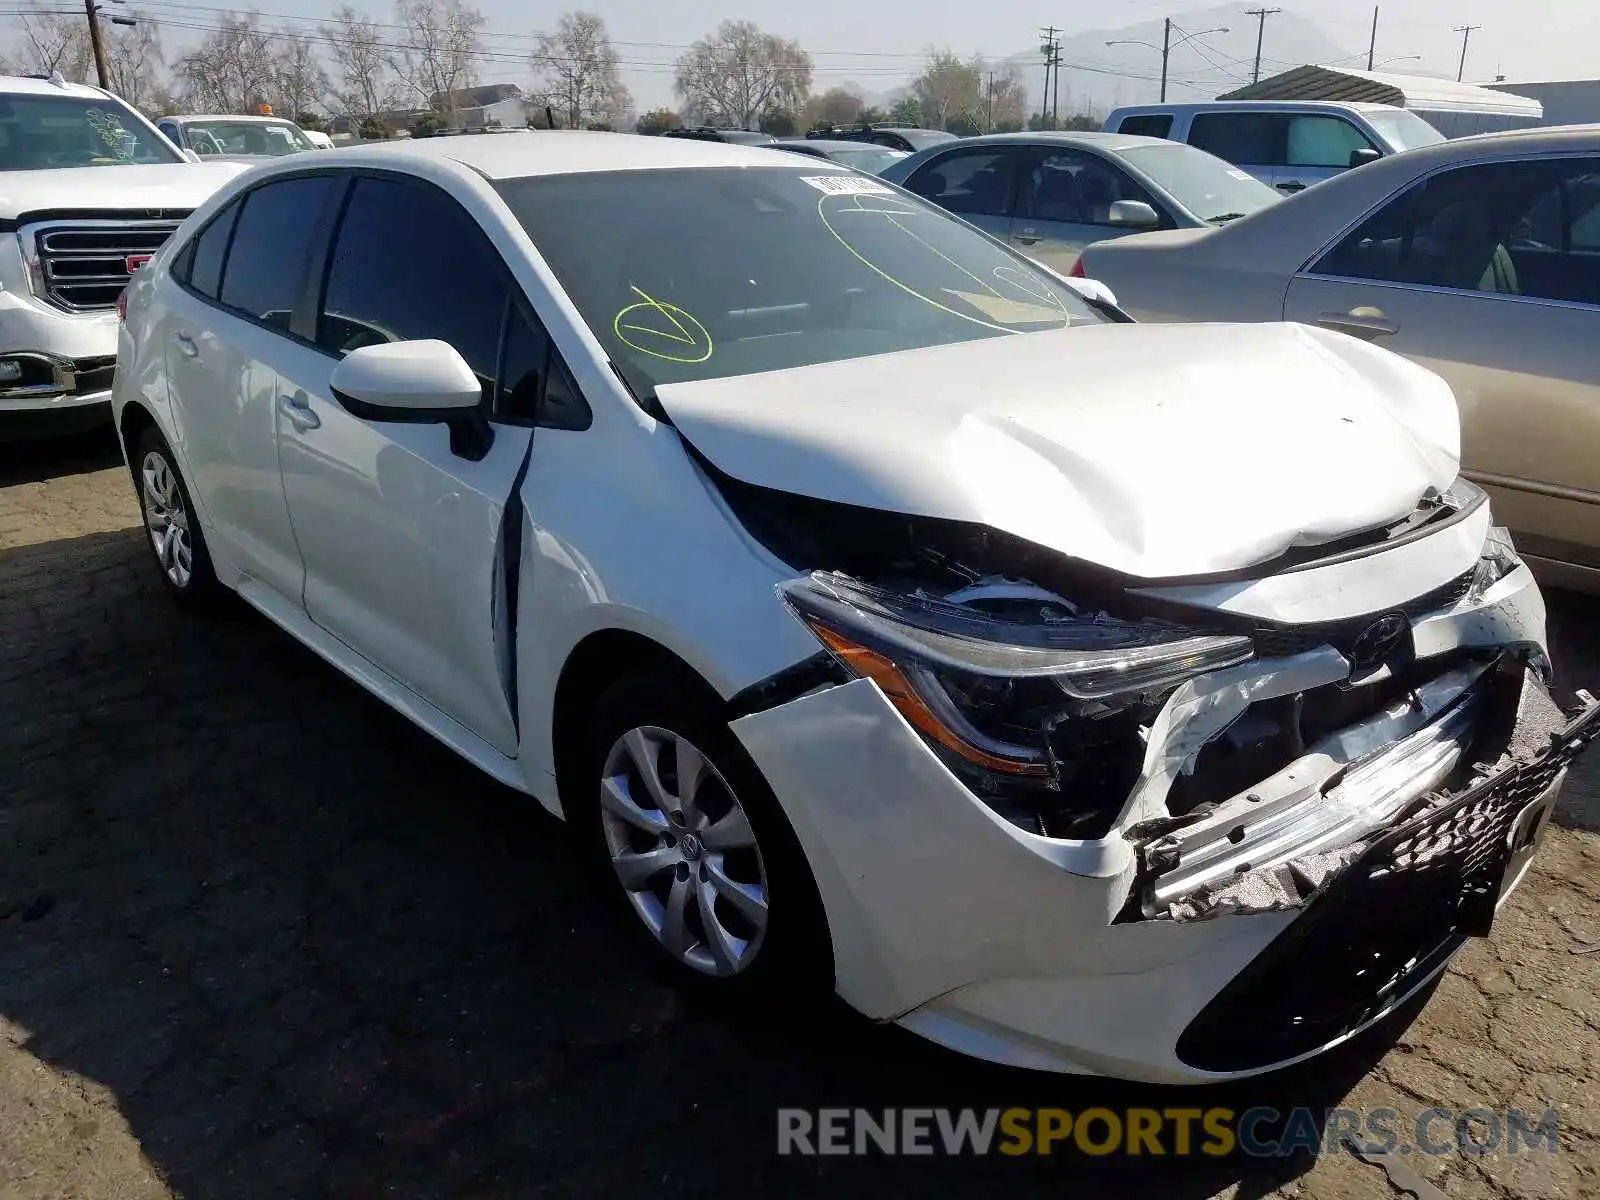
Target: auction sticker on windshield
847,185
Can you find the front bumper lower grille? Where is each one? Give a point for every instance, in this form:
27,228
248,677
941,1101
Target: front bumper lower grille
1385,924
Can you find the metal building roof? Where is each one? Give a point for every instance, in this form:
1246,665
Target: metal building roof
1421,92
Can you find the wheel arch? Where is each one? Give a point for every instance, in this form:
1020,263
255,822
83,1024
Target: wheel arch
597,661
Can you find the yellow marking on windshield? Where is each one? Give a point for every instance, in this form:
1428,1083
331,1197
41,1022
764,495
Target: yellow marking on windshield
996,298
686,333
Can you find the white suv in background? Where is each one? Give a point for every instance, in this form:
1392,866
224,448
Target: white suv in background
1289,144
89,190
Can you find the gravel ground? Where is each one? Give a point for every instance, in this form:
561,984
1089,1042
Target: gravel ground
259,937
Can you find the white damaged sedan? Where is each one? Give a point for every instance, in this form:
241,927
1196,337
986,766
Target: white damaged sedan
885,612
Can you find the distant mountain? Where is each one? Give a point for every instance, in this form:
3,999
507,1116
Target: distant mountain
1096,77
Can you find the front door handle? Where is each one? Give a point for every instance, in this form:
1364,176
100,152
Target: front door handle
185,345
1291,188
1027,237
298,409
1364,322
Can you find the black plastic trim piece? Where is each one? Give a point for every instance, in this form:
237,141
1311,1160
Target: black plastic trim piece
788,684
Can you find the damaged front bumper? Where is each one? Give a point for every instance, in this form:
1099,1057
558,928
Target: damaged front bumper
1179,949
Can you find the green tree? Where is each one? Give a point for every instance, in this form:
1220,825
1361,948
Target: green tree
658,122
949,88
962,125
906,112
429,124
780,122
311,121
374,130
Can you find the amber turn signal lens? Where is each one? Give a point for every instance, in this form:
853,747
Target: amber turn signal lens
869,664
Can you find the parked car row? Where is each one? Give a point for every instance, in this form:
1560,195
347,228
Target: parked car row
888,613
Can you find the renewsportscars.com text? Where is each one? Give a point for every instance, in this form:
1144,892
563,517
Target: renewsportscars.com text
1176,1132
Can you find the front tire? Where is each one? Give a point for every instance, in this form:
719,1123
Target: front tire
692,843
170,523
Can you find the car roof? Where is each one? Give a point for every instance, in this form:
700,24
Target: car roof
830,144
1063,137
261,117
524,152
18,85
1256,106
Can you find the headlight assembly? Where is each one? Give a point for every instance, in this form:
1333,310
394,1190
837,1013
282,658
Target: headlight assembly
1010,703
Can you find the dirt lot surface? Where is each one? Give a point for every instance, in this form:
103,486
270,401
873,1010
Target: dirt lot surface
258,937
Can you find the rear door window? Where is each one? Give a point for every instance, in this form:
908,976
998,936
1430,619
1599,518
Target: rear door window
265,271
1253,139
969,182
1147,125
201,263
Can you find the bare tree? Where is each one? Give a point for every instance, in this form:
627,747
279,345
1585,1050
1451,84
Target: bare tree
1005,103
576,69
363,71
302,84
136,65
738,73
232,70
52,40
439,50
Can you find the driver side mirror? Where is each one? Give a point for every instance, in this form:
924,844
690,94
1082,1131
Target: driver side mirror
1363,156
1133,214
421,382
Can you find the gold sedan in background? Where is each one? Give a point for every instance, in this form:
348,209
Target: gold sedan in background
1480,259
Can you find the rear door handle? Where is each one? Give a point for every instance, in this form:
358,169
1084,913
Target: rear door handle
1027,236
1366,323
298,410
185,345
1291,188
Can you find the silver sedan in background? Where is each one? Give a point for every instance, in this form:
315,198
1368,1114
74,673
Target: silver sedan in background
1479,258
1052,194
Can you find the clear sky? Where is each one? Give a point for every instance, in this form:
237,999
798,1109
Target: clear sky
880,43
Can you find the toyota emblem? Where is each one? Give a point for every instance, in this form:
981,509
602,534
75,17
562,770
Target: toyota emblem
1378,641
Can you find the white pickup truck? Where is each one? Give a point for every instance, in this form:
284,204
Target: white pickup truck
89,190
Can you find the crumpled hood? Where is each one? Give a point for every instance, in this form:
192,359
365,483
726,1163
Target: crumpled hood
1158,451
144,186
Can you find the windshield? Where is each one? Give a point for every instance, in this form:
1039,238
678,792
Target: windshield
42,133
709,272
264,138
1209,188
1403,130
872,159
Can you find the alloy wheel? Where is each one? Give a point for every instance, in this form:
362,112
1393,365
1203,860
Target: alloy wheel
684,851
166,518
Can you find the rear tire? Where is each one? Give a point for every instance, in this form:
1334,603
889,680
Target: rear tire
171,526
704,868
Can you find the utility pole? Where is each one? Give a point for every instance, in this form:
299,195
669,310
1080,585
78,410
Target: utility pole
99,47
1261,30
1055,103
988,120
1372,46
1166,53
1466,32
1048,49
